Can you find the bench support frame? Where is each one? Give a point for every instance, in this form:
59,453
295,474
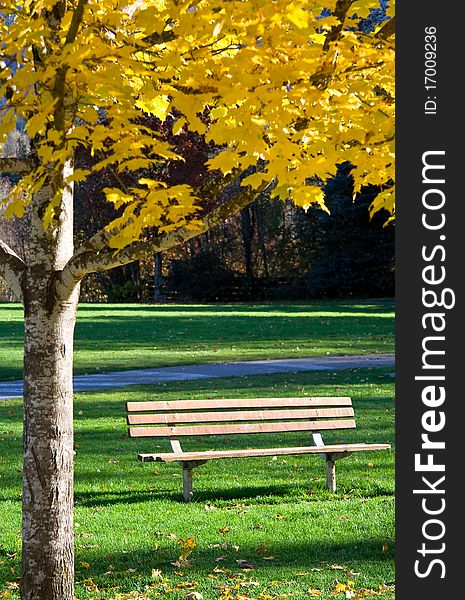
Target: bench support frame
187,468
331,467
330,459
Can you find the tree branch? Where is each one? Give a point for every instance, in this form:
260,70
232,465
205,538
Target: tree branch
16,165
11,268
340,11
212,187
100,258
76,20
387,30
321,78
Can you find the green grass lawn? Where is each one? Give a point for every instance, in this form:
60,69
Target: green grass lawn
275,515
118,337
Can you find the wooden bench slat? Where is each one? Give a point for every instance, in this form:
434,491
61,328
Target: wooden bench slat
194,430
245,415
212,454
219,403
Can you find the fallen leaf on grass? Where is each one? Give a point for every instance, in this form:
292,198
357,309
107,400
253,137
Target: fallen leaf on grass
182,563
218,570
236,507
223,545
12,585
187,546
187,584
245,564
156,573
280,517
356,594
269,558
338,568
314,593
342,588
194,596
224,530
168,536
249,584
90,585
84,565
262,548
385,548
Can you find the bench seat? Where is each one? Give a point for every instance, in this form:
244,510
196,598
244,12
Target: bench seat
177,419
249,452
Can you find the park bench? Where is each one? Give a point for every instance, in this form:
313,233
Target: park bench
175,419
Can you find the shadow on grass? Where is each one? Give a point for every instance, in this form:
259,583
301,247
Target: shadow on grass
132,569
288,555
255,494
241,492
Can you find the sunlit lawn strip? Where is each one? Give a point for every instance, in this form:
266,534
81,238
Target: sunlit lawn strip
119,337
274,515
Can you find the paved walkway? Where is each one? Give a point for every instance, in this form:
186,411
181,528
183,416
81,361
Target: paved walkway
14,389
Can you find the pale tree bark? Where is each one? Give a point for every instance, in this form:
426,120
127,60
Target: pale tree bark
47,538
11,269
47,567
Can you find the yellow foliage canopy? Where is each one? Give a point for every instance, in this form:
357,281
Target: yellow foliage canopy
282,86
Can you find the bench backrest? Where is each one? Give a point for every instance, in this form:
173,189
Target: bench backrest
176,418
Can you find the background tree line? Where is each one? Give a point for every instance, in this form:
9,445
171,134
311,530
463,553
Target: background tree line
272,250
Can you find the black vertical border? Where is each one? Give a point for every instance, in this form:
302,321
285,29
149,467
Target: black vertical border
416,133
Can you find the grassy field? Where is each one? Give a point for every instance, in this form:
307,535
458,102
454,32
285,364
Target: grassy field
263,528
118,337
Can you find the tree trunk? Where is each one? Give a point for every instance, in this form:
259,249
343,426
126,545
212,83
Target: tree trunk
48,550
258,206
158,295
247,230
47,529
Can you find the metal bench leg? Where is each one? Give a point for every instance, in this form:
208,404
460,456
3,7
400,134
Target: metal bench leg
187,483
331,467
330,474
187,466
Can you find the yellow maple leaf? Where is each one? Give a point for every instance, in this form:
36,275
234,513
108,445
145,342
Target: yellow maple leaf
187,547
299,16
179,125
157,106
